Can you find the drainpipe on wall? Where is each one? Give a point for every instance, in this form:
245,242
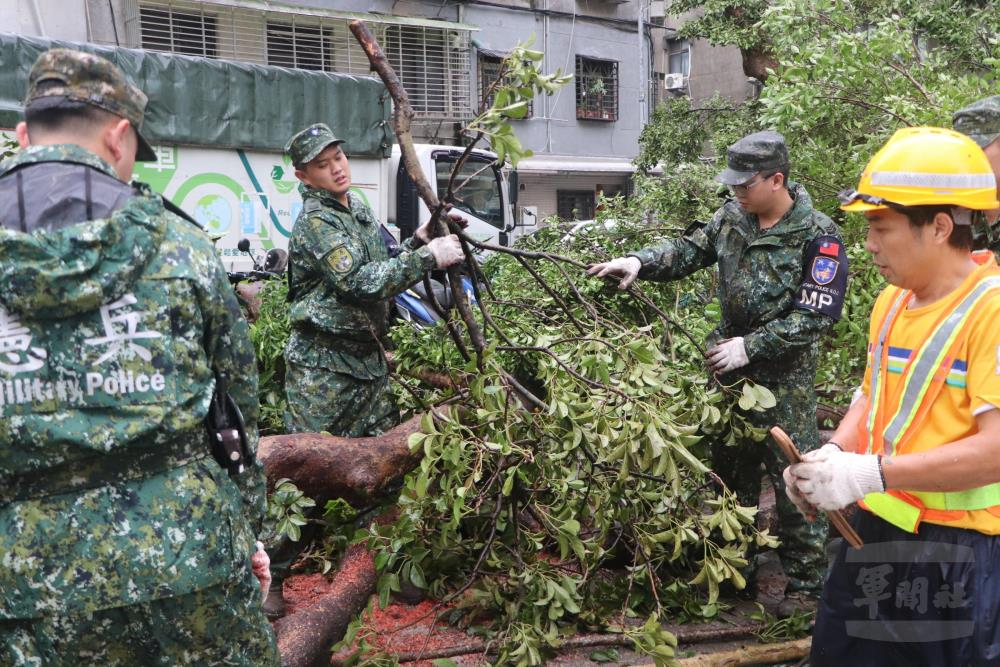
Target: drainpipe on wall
643,80
547,98
38,18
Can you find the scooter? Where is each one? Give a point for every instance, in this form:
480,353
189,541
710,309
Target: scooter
274,265
247,284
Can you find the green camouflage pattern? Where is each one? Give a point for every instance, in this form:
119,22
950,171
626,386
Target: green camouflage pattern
801,550
310,142
111,331
341,281
980,121
93,80
760,272
341,404
754,153
219,625
56,153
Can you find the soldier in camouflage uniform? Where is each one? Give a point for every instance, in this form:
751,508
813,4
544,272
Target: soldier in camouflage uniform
122,541
980,121
340,284
782,276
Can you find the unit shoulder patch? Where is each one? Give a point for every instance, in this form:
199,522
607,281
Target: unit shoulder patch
824,280
340,259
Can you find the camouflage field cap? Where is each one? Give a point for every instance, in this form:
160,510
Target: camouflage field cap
754,153
309,143
85,77
980,121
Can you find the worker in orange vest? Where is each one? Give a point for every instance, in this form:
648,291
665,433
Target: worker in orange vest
920,445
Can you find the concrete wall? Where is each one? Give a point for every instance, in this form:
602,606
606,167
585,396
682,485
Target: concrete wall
554,127
65,19
713,69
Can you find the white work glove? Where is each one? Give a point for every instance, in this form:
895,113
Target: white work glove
807,510
261,564
837,480
423,232
728,355
626,268
821,454
447,251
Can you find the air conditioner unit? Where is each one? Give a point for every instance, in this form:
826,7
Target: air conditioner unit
674,81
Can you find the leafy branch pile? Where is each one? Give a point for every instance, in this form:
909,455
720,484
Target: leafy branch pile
589,504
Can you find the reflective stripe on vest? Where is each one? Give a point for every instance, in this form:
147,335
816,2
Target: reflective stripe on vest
878,385
924,374
930,358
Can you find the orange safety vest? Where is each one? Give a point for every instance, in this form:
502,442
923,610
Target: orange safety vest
893,423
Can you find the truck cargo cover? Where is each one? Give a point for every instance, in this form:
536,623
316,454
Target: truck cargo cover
222,103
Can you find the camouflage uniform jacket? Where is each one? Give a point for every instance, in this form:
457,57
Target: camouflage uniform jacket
768,288
340,281
111,332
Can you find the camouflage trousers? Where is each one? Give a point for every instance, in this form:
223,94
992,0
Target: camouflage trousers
319,399
802,543
219,625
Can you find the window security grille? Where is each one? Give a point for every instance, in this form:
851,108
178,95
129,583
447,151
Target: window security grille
168,29
434,63
302,47
575,204
489,70
596,89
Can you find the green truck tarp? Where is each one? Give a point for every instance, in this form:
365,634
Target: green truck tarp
221,103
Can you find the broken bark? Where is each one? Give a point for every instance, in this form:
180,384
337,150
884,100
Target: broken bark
756,654
325,467
305,637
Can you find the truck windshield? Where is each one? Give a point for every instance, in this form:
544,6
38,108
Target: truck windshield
481,195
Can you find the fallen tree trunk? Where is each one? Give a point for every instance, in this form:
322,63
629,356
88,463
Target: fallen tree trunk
305,637
325,467
755,654
686,635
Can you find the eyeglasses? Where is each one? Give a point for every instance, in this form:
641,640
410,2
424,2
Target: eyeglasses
746,187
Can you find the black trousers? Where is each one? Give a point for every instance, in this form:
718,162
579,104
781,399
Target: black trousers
931,598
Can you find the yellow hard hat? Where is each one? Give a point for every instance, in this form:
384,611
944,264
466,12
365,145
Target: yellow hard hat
925,166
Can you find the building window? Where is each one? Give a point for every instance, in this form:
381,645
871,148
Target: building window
489,70
299,46
430,67
575,204
596,89
433,61
679,56
190,32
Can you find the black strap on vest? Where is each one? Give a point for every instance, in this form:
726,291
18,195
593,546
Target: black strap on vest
87,189
20,200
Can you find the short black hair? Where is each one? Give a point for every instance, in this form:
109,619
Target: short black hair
921,216
45,115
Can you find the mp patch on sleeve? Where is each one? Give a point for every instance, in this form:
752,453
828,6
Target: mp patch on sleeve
340,259
824,278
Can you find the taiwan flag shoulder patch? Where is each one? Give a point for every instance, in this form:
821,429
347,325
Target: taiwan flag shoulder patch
829,247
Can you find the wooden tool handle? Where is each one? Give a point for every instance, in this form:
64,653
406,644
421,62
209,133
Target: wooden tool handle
791,453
